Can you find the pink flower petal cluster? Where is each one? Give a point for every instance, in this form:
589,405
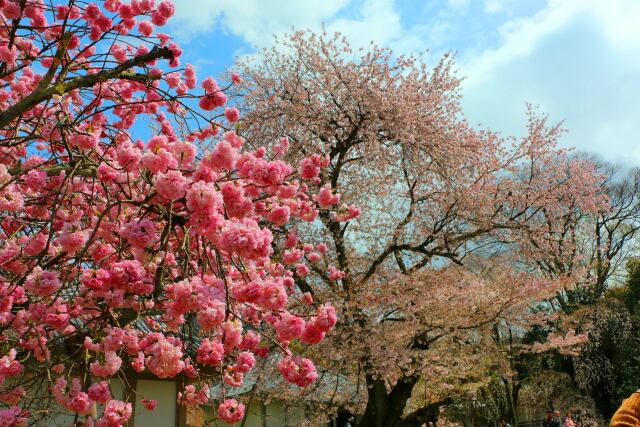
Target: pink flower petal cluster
172,185
310,167
115,414
164,355
326,198
299,371
232,114
231,411
192,396
210,353
41,282
139,233
289,327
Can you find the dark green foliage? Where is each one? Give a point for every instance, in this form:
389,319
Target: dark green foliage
631,292
487,407
609,364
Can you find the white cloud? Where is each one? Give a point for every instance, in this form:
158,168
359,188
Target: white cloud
377,20
253,20
256,21
493,6
578,60
458,4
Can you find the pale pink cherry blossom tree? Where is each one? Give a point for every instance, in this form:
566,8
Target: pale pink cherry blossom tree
433,189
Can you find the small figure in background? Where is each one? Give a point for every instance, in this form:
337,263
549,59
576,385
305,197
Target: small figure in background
556,421
568,420
548,421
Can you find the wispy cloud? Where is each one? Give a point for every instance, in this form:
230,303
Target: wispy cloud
458,4
493,6
578,60
253,20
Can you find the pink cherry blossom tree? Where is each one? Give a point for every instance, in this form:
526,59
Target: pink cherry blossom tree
388,133
126,246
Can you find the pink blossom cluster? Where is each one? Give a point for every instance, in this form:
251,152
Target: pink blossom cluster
299,371
14,416
73,399
116,413
231,411
310,167
192,396
169,255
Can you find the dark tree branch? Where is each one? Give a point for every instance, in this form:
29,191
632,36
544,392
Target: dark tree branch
44,92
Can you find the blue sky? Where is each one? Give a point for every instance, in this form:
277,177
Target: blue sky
578,60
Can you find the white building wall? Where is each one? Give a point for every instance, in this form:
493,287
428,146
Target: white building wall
165,413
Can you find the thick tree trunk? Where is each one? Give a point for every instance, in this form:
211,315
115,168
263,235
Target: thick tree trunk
512,397
516,396
385,409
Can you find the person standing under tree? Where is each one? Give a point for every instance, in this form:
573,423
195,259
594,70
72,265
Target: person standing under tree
568,420
548,421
